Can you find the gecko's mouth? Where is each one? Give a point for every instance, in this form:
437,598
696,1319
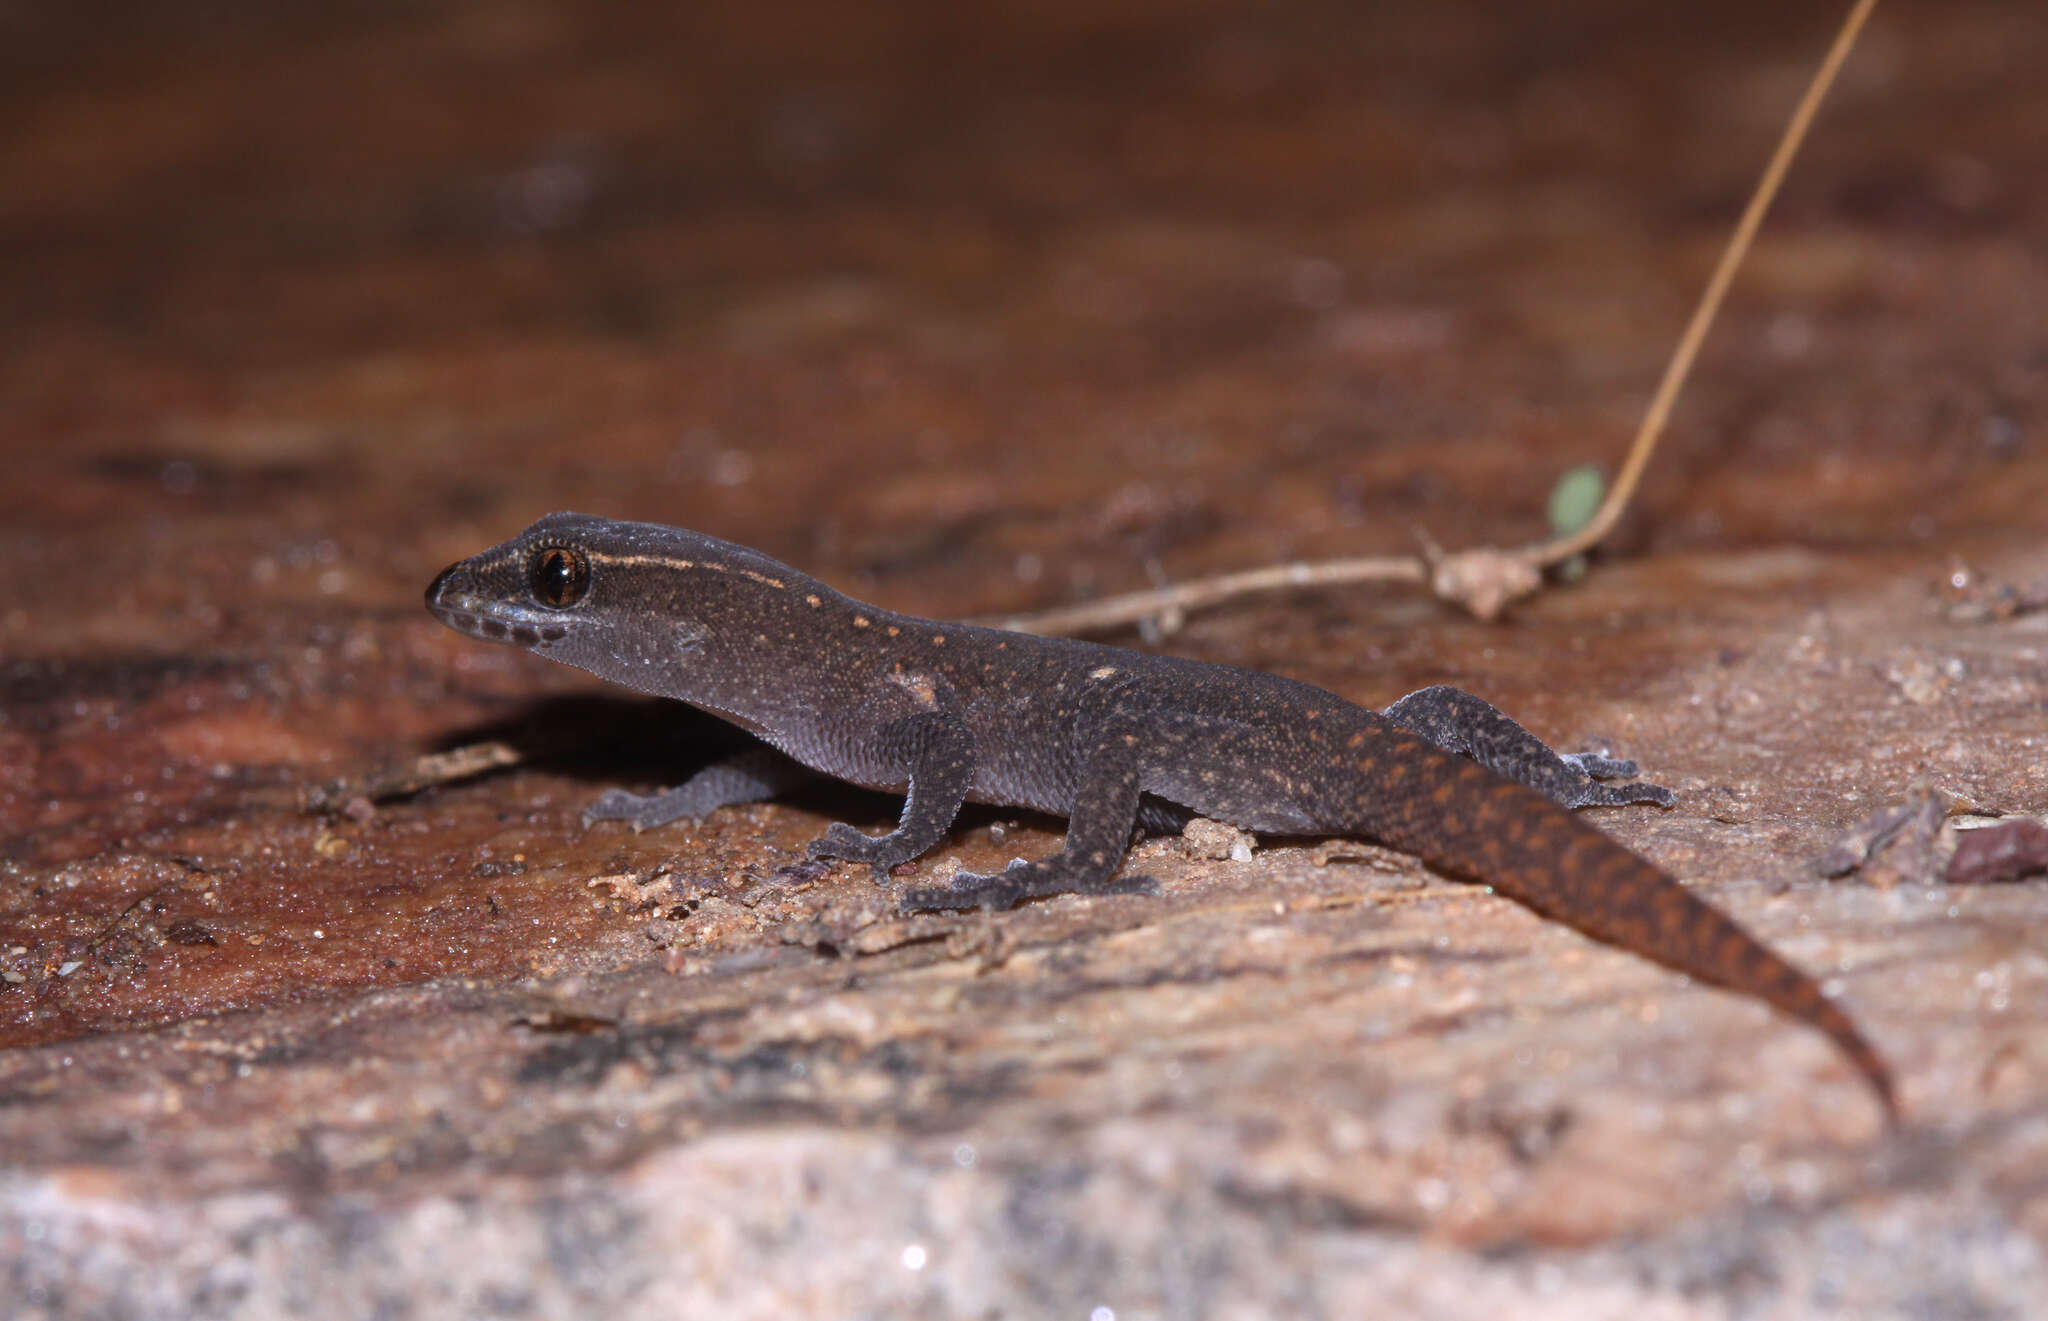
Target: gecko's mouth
489,617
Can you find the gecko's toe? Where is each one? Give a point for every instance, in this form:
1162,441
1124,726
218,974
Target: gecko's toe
942,898
1637,791
841,841
611,805
1599,765
967,890
639,811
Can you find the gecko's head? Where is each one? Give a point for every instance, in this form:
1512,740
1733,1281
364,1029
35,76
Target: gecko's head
621,600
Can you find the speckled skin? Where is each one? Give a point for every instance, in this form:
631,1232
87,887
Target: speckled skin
1103,736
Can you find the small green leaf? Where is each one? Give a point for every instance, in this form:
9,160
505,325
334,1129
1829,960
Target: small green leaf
1575,499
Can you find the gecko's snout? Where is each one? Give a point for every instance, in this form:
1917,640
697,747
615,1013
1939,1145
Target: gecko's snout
454,606
456,599
440,581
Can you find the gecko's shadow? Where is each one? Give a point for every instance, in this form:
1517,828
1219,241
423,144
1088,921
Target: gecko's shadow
608,740
624,742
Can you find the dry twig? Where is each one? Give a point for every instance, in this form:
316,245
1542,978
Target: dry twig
1486,579
411,776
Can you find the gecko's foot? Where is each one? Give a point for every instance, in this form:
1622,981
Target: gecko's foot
1598,766
1593,789
640,811
970,890
842,841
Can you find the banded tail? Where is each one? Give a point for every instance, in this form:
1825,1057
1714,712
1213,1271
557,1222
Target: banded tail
1461,818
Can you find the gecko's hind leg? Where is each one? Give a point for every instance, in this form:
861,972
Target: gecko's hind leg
1458,722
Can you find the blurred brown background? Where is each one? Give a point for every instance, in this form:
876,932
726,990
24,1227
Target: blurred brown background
968,309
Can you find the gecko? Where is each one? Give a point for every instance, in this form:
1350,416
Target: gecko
1114,740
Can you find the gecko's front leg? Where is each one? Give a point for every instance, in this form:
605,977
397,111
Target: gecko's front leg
1098,834
936,749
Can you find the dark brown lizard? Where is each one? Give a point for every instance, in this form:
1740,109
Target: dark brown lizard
1108,738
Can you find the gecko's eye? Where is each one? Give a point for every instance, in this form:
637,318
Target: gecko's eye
558,577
